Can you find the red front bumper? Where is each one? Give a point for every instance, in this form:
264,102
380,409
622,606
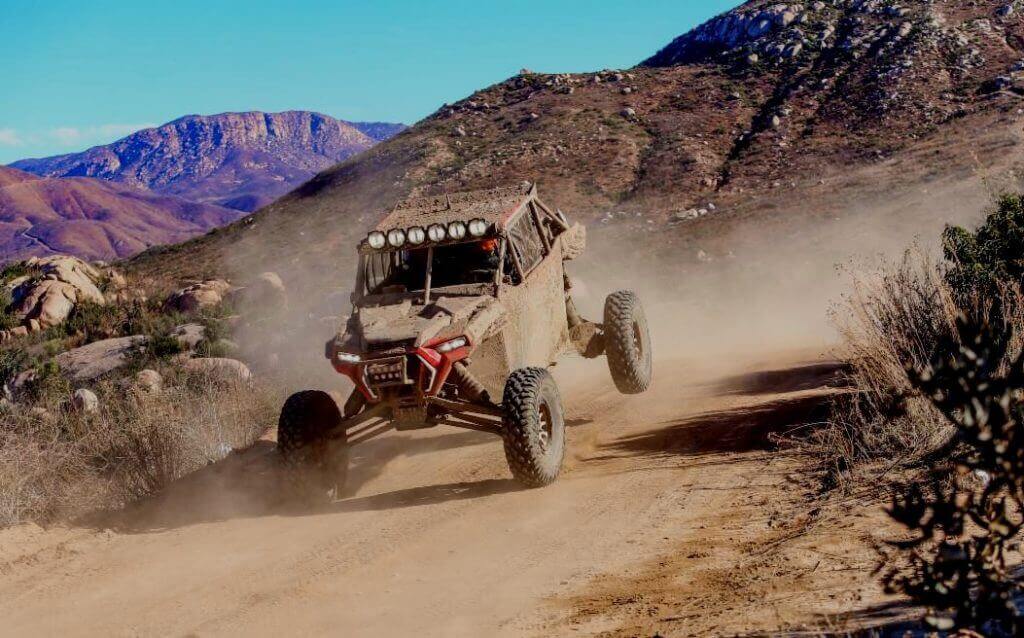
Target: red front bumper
422,371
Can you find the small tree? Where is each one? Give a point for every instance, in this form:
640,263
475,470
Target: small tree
964,520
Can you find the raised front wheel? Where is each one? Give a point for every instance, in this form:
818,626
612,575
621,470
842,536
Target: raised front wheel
627,342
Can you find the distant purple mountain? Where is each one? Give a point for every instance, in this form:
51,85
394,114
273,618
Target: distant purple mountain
237,160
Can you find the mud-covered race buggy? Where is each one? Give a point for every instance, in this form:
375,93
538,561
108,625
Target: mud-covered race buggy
461,305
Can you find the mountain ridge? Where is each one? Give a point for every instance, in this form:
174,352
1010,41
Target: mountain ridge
241,160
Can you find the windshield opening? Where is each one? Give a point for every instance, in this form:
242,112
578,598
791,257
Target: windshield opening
400,271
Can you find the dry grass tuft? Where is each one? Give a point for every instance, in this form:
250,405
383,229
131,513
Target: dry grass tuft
894,319
61,464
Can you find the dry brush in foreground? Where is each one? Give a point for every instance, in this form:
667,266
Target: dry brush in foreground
58,463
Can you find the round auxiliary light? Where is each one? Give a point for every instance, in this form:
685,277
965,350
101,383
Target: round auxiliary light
456,230
416,235
477,227
396,237
436,232
376,240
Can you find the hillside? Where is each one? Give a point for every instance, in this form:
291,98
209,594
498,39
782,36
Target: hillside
93,218
238,160
809,110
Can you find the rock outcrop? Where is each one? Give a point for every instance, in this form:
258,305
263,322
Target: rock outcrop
204,294
98,358
57,284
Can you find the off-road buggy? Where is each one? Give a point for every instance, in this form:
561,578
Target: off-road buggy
461,305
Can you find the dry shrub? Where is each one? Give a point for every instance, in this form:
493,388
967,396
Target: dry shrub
63,463
964,516
894,320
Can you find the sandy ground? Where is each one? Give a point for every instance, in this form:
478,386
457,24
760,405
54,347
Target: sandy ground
674,516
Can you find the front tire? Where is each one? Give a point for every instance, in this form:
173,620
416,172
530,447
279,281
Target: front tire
534,427
314,455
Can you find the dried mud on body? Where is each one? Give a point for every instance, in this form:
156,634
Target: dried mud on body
671,504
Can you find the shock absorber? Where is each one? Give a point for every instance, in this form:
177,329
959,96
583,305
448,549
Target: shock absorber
468,385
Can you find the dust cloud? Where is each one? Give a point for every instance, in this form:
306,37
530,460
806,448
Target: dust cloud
764,285
760,291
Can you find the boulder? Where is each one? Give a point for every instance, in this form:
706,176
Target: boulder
189,335
265,292
198,296
85,401
60,283
231,369
149,381
98,358
686,215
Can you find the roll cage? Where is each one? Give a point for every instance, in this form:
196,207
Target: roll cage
525,239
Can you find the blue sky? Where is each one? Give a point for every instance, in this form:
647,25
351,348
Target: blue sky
77,74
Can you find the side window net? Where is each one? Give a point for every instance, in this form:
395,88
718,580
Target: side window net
380,270
526,239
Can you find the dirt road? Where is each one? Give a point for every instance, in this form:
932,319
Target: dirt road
671,516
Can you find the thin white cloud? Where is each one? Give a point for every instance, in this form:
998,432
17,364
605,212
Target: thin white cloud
66,134
10,137
102,133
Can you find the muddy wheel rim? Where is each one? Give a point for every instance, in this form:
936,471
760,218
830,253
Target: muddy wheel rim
638,343
546,429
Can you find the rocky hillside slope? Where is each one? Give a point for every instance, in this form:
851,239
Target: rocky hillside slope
93,218
238,160
775,113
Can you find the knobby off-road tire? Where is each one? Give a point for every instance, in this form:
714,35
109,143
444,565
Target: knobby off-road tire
533,427
315,467
627,342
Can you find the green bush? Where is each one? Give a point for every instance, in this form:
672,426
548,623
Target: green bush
990,257
163,346
7,319
12,361
49,385
13,271
94,322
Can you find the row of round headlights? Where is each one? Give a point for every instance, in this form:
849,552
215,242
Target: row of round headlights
397,237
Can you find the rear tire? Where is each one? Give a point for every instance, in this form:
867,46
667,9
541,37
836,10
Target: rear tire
627,342
315,466
534,427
